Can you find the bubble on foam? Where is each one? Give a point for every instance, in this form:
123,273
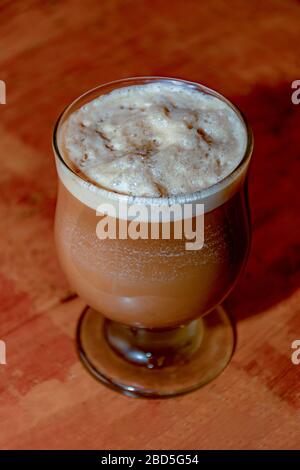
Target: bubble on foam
154,140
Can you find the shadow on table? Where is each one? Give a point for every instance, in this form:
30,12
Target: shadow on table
273,270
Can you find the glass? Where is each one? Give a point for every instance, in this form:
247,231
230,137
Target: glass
154,325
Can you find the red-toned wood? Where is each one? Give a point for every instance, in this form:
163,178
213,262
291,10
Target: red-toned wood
50,52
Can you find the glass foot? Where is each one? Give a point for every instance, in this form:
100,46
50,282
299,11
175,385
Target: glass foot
155,363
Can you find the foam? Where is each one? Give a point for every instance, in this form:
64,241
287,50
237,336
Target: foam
154,140
162,141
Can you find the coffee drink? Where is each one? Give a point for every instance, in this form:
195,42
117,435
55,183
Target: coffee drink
153,141
153,326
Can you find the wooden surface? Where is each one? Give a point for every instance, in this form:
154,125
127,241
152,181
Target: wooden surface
51,52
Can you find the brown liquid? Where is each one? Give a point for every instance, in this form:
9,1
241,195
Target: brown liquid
151,283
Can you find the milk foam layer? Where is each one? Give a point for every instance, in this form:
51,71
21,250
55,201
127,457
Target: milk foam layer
154,140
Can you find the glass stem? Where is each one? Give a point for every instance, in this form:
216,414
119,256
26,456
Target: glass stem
153,348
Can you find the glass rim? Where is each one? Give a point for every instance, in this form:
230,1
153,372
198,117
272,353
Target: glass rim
177,198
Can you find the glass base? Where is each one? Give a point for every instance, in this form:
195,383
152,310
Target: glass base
155,363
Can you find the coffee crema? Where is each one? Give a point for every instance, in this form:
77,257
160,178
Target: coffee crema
154,140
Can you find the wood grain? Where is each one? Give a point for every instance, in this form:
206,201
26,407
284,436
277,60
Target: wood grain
50,53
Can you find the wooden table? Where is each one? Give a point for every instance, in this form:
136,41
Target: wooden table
50,53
